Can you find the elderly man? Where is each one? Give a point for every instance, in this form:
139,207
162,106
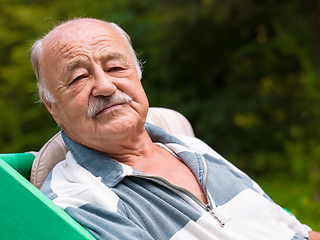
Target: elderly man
126,179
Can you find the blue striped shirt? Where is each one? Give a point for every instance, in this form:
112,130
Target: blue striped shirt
114,201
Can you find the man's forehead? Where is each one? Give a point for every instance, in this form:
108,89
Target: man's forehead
83,38
81,30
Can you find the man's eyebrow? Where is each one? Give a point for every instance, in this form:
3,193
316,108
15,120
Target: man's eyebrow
115,56
73,64
107,57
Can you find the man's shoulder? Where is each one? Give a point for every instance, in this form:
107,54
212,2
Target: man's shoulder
198,146
58,176
211,155
70,185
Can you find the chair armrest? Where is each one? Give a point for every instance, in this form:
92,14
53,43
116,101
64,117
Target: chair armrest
26,213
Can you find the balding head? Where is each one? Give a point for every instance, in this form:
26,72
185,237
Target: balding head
89,80
71,27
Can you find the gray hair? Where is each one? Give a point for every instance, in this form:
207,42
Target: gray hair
36,52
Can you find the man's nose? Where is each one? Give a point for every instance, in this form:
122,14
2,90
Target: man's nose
103,84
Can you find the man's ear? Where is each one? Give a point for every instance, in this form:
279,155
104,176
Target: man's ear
52,108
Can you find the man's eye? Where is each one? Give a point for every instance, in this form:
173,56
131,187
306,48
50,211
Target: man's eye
115,69
77,79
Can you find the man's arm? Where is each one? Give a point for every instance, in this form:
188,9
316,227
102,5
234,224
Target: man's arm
314,235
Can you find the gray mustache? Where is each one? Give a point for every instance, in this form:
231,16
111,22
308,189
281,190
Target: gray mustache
98,104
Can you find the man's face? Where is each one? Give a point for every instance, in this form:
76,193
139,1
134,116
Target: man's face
89,69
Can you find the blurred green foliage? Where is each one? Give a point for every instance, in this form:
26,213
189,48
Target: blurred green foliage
244,72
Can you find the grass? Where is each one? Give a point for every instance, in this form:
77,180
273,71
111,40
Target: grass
294,195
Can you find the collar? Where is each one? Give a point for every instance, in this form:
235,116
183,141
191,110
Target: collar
112,172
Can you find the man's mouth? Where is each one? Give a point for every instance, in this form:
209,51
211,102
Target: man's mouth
109,108
104,104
